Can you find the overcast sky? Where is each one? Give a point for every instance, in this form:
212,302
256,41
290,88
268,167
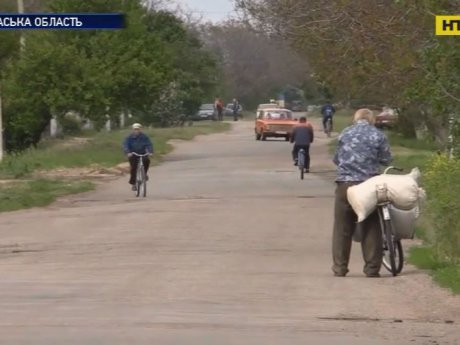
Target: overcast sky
214,10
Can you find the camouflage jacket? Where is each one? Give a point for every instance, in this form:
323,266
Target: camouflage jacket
361,150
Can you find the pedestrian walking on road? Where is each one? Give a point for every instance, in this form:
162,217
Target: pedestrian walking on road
361,149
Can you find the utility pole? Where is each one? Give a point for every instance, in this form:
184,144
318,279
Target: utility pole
21,11
452,139
1,126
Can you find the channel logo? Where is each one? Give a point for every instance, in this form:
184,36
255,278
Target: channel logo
447,25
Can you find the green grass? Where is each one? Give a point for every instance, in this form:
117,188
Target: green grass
410,153
397,139
103,149
444,273
20,195
342,118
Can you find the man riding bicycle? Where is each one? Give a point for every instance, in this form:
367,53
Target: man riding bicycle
302,136
140,143
328,112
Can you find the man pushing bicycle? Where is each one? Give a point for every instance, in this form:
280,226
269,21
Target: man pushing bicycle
139,143
361,150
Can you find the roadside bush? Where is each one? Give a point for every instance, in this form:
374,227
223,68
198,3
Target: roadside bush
442,181
70,125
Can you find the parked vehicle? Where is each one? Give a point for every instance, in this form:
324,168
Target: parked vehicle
268,106
297,106
228,110
387,119
274,122
206,112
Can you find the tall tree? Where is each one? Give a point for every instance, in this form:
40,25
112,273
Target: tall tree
154,60
379,51
255,67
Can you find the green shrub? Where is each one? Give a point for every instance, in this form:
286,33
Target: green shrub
442,181
70,125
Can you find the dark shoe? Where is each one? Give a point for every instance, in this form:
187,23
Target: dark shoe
337,274
373,275
296,163
307,170
146,177
134,188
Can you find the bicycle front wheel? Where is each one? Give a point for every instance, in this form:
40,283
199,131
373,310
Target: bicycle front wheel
139,179
399,257
142,186
389,252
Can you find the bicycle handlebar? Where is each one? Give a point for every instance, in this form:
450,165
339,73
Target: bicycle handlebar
138,155
393,168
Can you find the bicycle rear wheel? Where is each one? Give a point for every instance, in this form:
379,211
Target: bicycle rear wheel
301,163
389,253
328,128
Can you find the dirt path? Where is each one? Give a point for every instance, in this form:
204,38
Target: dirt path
230,247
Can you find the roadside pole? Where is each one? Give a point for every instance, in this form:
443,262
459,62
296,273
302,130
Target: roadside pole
1,126
451,139
21,10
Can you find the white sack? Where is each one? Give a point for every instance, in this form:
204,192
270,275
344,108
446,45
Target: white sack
403,192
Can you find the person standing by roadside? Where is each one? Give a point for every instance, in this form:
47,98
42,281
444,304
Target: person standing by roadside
235,109
302,136
361,149
219,107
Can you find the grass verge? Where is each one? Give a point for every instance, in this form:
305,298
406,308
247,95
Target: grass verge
102,149
410,153
20,195
444,273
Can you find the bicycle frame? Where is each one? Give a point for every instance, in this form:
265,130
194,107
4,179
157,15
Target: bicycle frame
390,243
140,175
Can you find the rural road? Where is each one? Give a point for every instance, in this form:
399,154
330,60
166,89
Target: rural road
230,247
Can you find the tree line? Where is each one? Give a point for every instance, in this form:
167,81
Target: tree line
381,52
155,69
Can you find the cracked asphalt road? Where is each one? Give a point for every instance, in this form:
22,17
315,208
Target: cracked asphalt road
230,247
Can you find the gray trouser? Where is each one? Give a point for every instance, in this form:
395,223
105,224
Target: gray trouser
344,225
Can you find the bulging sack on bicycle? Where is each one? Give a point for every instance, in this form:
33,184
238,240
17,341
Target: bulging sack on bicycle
402,191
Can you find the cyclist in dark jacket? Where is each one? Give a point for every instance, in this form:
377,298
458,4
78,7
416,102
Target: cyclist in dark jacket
139,143
302,136
328,112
